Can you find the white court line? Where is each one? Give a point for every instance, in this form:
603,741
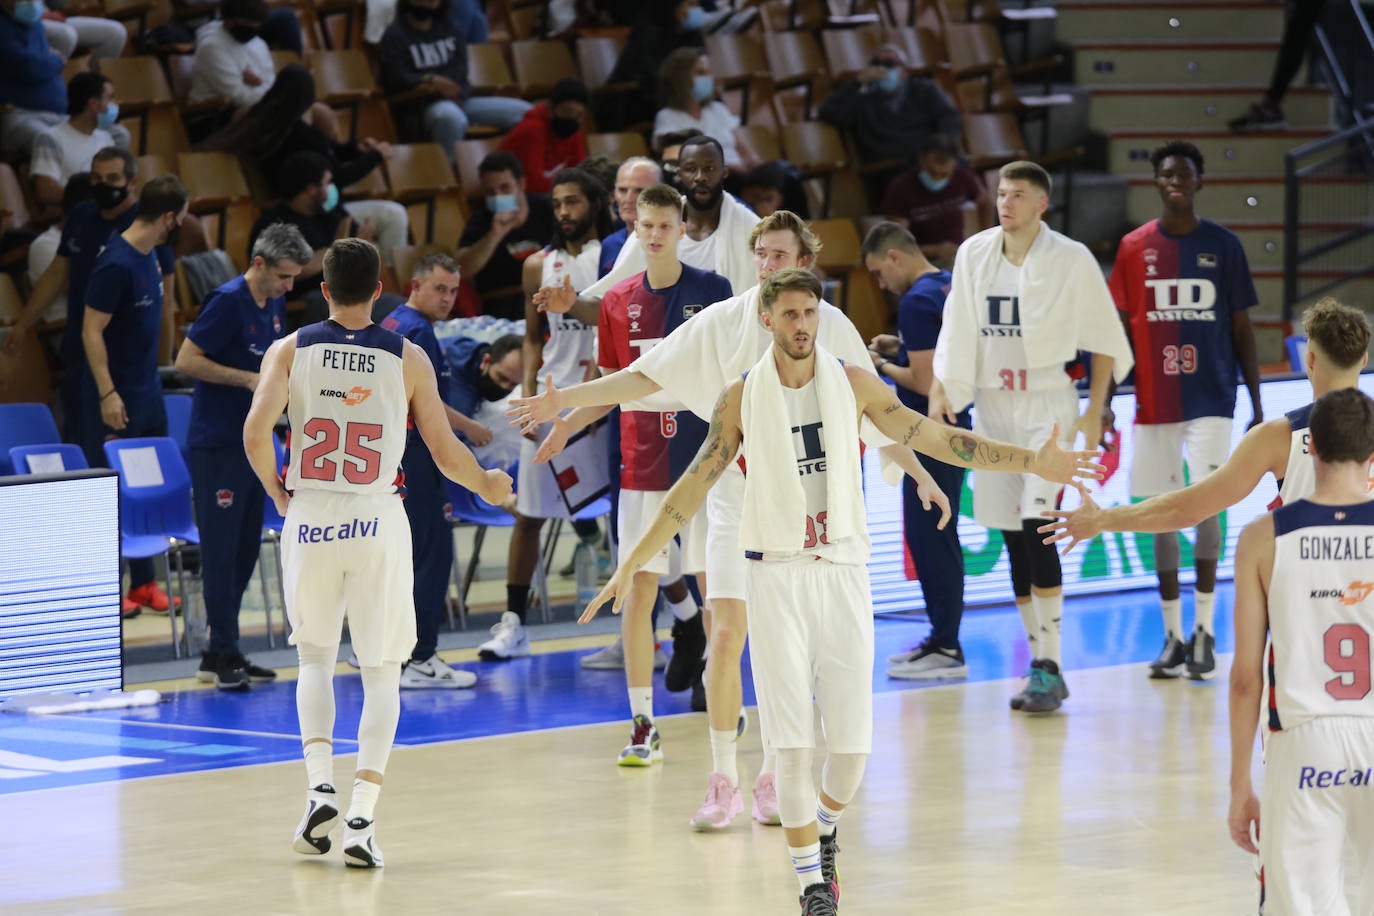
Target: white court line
86,717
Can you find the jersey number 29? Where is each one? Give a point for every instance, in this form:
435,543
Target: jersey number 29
361,464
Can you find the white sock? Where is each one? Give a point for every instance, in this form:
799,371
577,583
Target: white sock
806,860
642,702
685,609
364,801
770,761
1031,623
1204,610
826,818
1173,617
723,754
319,763
1049,611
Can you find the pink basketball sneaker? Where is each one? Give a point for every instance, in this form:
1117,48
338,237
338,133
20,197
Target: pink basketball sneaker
723,802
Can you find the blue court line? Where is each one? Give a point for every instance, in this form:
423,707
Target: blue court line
207,729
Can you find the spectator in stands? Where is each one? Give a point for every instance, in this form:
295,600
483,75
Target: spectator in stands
64,149
889,114
466,15
510,226
33,96
481,372
662,28
603,168
634,175
773,186
423,58
687,92
549,138
43,249
311,204
223,352
103,37
929,199
666,149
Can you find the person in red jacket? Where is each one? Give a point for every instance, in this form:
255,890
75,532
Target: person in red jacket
549,138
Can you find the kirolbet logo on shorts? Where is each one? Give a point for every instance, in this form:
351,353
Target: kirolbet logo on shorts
352,397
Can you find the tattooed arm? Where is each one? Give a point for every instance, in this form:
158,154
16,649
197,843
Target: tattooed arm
960,447
685,498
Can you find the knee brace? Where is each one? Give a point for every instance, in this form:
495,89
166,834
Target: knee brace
315,690
381,712
796,787
1020,563
841,776
1208,546
1167,552
1044,559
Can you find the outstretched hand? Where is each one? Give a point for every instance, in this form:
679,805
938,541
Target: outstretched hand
553,443
543,407
1059,466
1073,525
617,588
556,299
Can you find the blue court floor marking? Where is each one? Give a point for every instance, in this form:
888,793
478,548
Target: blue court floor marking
206,729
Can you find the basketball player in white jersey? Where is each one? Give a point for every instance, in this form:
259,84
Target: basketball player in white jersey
1024,303
581,217
347,386
1303,583
1337,345
694,364
810,612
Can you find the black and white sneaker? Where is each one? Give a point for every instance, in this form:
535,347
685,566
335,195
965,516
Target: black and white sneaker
257,674
360,849
1202,658
224,672
830,872
929,662
818,900
321,815
1169,665
689,645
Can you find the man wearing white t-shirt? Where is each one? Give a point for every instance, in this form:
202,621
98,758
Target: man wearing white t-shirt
64,149
231,61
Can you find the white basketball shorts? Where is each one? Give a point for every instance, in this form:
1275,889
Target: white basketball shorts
725,563
1025,418
536,491
1317,802
637,511
811,642
346,554
1157,465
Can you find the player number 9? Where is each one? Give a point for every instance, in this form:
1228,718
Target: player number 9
1352,667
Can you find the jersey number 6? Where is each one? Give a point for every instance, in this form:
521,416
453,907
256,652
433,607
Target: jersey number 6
365,464
1347,653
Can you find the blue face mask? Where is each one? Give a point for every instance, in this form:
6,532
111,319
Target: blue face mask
331,198
703,87
28,12
889,81
933,185
696,18
107,118
502,203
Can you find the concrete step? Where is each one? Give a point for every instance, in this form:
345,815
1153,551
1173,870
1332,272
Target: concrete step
1199,108
1096,21
1260,154
1263,242
1123,63
1258,200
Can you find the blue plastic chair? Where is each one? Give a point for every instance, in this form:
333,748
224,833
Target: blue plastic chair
24,424
179,421
467,508
156,519
71,456
1296,344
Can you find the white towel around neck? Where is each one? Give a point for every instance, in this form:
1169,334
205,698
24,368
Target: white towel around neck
774,516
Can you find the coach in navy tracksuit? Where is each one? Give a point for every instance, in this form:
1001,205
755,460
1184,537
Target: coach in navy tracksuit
223,353
891,253
433,289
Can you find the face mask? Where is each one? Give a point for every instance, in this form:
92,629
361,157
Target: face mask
107,197
889,81
696,18
28,12
933,185
243,33
563,128
489,390
331,198
422,13
703,87
502,203
106,119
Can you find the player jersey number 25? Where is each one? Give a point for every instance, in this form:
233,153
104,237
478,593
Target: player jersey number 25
336,448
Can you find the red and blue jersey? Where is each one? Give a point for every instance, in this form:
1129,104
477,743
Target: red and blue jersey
1179,293
656,448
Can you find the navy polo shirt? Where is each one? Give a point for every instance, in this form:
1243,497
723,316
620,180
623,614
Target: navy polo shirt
127,285
919,314
234,331
419,330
